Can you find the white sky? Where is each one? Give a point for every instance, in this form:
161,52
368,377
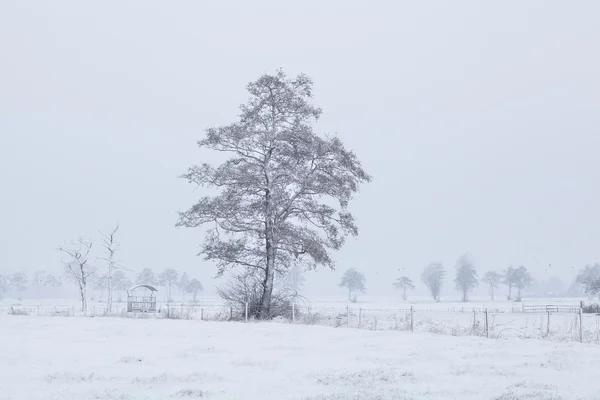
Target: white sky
478,120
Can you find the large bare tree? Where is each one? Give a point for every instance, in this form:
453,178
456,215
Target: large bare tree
276,193
78,267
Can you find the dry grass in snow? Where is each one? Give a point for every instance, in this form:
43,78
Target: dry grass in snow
117,358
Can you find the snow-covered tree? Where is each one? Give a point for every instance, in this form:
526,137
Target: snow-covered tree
294,278
275,192
38,281
194,287
78,267
146,277
589,279
433,277
19,282
100,283
508,278
4,284
354,281
521,279
466,276
493,280
111,246
404,283
183,284
120,283
168,279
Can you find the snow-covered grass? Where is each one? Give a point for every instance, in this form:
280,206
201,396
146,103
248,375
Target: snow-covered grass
118,358
504,318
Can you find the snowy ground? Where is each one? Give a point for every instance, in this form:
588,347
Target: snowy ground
119,358
450,317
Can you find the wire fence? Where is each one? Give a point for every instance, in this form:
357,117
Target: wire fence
563,325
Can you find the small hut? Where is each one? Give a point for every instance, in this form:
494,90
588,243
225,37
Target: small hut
141,298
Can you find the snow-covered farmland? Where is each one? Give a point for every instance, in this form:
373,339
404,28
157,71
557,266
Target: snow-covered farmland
502,319
119,358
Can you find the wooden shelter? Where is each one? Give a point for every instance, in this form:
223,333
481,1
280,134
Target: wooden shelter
141,298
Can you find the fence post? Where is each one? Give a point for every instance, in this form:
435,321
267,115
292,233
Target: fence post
347,316
202,314
246,312
293,313
487,327
359,316
580,326
231,313
474,319
412,319
73,310
548,326
181,316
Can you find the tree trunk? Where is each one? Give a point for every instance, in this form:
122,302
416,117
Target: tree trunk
404,294
82,296
195,292
492,290
265,301
509,292
109,299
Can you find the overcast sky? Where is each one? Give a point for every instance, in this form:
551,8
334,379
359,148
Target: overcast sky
479,121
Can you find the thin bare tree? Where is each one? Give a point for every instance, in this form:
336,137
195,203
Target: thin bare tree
275,193
78,267
111,246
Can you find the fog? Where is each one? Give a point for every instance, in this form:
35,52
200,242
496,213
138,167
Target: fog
478,122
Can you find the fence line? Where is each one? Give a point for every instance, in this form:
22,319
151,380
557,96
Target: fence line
562,324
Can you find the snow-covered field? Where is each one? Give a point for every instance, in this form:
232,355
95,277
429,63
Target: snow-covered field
450,317
119,358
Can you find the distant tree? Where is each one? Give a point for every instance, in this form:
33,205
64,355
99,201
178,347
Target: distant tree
78,267
493,280
354,281
404,283
294,279
52,281
19,282
146,277
194,287
589,279
121,283
183,284
508,278
466,276
38,281
522,279
433,277
101,284
111,246
4,285
168,278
